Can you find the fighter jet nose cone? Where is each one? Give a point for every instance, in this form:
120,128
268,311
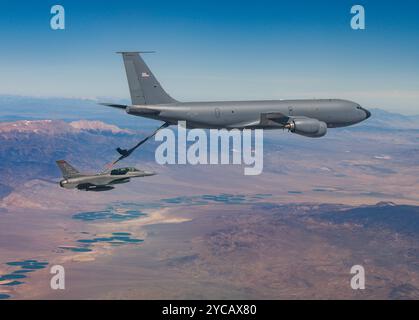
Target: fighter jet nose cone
147,173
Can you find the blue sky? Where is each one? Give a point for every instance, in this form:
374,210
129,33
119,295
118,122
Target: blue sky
216,50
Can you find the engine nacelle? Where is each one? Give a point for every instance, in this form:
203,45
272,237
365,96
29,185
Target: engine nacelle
307,127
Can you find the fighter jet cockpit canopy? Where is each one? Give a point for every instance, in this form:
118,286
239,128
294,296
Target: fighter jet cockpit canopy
122,171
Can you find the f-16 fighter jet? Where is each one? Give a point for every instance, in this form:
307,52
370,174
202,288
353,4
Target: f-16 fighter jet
97,182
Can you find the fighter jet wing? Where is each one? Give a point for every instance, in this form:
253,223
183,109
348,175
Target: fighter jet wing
121,180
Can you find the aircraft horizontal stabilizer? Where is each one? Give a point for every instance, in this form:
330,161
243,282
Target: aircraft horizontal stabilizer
134,110
114,105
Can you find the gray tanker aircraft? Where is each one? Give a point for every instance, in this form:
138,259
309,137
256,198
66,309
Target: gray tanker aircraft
97,182
310,118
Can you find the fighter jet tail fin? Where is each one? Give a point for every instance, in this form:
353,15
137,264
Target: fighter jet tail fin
143,85
67,170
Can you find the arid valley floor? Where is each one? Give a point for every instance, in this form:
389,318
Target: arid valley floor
294,232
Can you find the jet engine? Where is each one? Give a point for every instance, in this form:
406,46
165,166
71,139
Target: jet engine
307,127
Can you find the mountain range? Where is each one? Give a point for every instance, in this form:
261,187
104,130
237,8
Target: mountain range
71,129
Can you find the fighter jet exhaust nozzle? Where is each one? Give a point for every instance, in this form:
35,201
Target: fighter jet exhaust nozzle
63,183
307,127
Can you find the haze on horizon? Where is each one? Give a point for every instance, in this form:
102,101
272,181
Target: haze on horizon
217,51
